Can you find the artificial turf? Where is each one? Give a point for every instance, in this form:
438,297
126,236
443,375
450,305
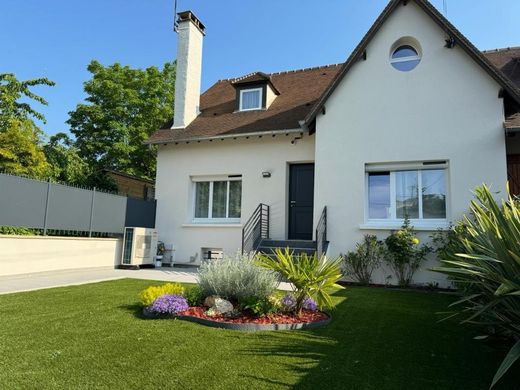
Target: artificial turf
92,337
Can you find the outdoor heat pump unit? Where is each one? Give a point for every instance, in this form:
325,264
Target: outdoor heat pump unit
139,246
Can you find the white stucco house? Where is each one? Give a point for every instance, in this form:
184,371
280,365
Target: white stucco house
414,120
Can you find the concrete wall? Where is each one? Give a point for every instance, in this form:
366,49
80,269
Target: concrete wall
447,108
28,254
176,165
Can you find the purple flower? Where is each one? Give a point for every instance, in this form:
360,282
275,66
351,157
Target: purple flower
169,304
310,304
288,302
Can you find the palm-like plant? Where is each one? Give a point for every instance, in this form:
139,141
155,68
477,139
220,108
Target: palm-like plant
311,276
484,261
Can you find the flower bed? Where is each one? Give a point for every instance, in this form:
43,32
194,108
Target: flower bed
249,323
240,293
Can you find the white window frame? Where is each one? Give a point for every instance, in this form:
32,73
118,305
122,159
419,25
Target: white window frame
393,222
405,59
260,90
211,181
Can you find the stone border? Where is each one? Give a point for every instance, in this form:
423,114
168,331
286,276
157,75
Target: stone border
247,327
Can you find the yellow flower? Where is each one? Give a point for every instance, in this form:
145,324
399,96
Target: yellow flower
415,241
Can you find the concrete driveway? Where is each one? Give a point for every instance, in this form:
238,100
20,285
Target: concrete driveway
42,280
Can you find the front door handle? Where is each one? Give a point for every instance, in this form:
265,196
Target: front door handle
293,202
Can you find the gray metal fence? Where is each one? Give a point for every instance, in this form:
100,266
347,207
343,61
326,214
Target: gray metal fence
52,206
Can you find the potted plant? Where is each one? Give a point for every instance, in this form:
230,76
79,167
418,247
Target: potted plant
160,253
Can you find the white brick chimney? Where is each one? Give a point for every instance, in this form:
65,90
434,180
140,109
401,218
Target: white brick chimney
189,68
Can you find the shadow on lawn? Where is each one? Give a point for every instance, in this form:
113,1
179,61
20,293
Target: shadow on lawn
381,339
136,309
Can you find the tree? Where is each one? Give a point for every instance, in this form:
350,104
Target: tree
11,91
67,165
124,106
21,149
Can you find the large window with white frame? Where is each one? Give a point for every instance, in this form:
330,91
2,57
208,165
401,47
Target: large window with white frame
218,200
251,99
416,190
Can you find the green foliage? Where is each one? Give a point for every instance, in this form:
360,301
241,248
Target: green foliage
236,278
310,276
194,295
404,255
368,256
18,231
67,165
11,91
21,150
485,258
150,294
124,106
260,307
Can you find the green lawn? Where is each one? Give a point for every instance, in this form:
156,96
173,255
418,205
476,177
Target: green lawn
92,336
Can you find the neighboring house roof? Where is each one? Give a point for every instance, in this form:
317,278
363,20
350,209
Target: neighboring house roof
303,93
507,60
513,122
298,92
127,175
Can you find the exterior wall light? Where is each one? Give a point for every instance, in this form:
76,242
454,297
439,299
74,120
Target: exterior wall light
266,174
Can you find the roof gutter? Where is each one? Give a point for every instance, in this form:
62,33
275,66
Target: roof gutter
229,136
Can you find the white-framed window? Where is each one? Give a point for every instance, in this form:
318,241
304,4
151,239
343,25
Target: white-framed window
250,99
405,57
217,200
416,190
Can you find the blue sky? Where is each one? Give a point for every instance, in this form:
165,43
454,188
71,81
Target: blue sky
58,38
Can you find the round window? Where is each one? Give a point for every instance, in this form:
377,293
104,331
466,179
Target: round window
405,58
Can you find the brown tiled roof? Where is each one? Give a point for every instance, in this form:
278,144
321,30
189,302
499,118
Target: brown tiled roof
302,93
299,90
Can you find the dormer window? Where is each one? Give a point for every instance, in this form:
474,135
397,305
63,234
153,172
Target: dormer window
251,99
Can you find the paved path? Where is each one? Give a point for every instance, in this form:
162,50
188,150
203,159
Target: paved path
41,280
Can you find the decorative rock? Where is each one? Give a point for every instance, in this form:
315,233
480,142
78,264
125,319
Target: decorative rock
210,301
222,306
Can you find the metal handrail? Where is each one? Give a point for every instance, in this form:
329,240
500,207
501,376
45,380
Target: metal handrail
321,234
255,229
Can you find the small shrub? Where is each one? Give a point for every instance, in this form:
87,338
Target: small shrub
288,303
368,256
310,304
236,278
404,255
169,304
150,294
19,231
194,295
311,276
260,307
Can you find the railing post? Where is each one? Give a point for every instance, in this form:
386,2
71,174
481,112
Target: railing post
91,212
46,215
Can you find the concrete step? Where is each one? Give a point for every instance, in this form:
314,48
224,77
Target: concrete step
269,250
303,244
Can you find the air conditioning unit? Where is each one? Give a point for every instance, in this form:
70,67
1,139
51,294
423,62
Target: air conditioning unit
139,246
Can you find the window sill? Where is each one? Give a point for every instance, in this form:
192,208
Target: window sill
395,225
212,225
